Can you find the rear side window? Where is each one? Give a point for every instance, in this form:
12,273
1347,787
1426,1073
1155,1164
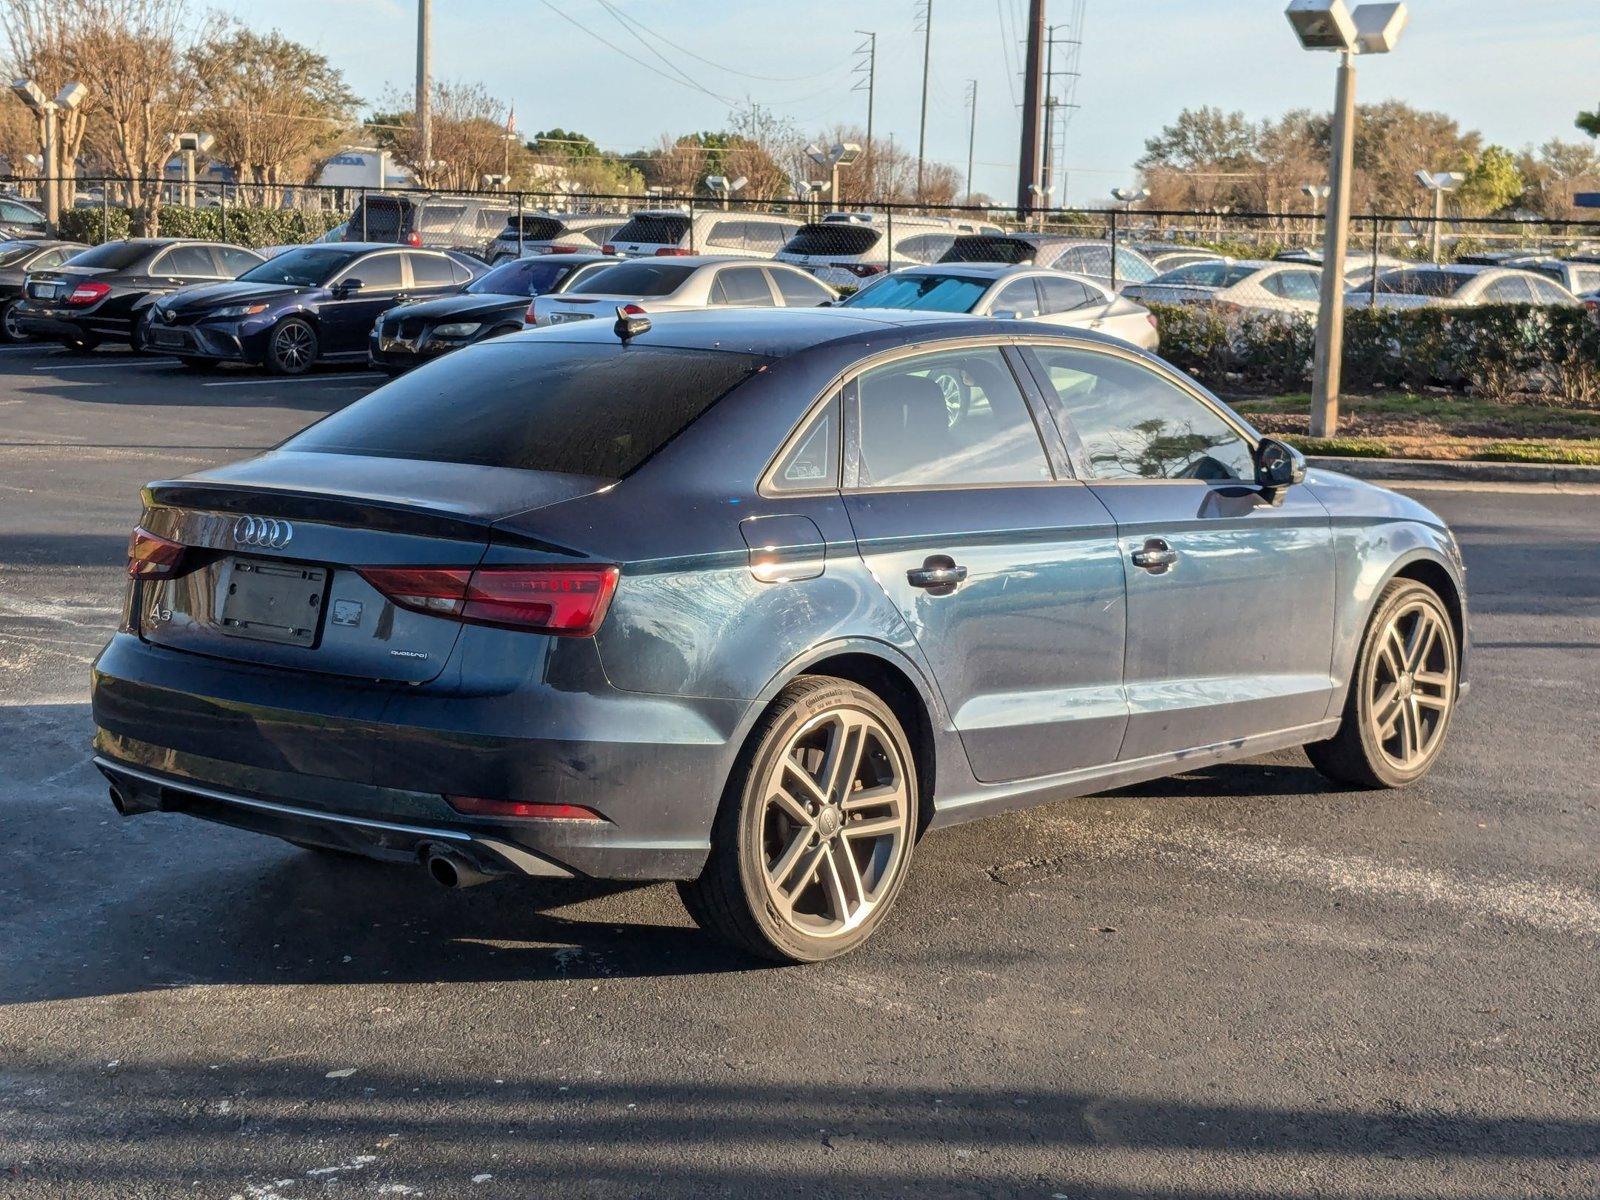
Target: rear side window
813,460
578,408
431,270
799,291
235,262
188,262
742,286
1064,295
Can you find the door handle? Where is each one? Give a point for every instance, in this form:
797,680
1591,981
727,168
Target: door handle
940,574
1156,556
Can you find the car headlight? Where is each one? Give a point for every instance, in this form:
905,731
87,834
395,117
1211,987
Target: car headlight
457,329
238,310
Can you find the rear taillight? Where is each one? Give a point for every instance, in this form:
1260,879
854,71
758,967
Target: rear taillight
672,251
1151,317
413,239
530,317
634,310
151,556
862,269
476,806
564,601
88,293
608,248
562,250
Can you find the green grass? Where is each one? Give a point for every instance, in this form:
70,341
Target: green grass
1579,454
1445,409
1341,447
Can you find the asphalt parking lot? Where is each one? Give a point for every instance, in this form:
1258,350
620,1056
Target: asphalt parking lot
1238,982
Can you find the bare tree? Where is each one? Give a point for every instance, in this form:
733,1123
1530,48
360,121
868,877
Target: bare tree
40,37
273,105
469,136
133,55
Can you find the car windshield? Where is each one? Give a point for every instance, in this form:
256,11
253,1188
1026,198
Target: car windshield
1422,283
931,293
578,408
522,277
1207,274
115,256
645,278
308,266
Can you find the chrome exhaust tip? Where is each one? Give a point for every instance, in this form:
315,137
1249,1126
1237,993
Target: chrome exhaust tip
451,870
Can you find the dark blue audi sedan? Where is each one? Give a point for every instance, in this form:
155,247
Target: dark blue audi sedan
752,600
307,305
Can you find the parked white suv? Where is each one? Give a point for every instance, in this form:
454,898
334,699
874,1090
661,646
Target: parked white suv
555,233
843,249
675,231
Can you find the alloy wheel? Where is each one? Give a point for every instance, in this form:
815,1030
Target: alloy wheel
294,344
1412,685
13,330
835,822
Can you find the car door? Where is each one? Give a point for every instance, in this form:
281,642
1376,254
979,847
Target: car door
1005,570
347,316
183,265
1230,597
432,275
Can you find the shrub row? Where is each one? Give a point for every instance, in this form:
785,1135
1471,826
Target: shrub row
1496,350
241,226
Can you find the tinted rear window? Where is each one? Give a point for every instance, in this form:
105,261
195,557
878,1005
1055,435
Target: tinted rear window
11,252
635,279
668,229
830,237
983,247
535,228
115,255
578,408
386,219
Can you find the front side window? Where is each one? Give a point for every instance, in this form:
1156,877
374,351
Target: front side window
944,420
1135,424
378,273
766,237
727,233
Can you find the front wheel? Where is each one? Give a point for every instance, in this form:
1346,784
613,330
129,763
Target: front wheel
1401,696
815,832
292,348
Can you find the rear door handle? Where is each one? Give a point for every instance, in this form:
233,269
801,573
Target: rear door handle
939,574
1156,556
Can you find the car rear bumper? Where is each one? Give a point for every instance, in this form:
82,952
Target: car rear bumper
57,325
366,767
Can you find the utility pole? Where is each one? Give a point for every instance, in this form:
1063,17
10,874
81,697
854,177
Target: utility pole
927,54
866,71
425,84
1047,171
972,130
1326,362
1033,72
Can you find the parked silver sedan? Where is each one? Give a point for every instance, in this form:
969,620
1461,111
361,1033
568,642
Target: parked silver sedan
1459,285
1236,284
669,283
1020,293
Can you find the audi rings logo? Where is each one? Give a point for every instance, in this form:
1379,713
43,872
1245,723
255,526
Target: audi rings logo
267,532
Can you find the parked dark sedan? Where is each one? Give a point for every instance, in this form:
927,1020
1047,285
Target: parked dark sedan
731,600
489,306
104,293
304,306
17,258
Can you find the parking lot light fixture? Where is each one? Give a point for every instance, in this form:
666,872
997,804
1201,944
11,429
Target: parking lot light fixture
190,144
1368,29
47,111
721,185
1128,197
1439,183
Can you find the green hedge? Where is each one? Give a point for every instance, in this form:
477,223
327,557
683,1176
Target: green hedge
242,226
1496,350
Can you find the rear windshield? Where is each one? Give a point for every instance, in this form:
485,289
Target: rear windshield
635,279
986,247
579,408
930,293
114,255
831,237
1422,283
667,229
11,252
535,228
386,219
1207,274
521,277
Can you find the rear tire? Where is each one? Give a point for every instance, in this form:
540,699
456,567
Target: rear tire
292,347
9,331
814,836
1402,693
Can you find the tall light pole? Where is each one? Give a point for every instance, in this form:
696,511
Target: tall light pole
972,130
1318,192
1439,182
922,126
840,154
190,144
1032,89
1369,29
47,110
425,84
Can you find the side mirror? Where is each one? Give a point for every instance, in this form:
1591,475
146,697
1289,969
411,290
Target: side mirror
346,287
1278,466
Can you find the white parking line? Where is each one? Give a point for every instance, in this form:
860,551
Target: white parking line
271,382
123,366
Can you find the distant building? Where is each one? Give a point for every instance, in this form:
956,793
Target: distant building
363,167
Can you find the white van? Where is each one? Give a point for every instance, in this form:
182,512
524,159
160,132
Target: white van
674,231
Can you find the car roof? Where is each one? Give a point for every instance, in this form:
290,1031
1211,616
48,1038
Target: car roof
705,260
782,332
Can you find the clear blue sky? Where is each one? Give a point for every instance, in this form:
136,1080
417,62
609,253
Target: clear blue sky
1518,70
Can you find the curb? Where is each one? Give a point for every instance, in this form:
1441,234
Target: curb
1430,470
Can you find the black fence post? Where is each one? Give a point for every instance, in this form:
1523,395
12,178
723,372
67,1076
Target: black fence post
519,225
222,207
105,210
691,221
363,214
1113,250
888,257
1374,281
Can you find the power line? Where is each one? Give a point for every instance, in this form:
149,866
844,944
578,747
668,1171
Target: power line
612,46
638,37
833,70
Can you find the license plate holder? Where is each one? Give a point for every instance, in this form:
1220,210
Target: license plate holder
161,336
269,601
